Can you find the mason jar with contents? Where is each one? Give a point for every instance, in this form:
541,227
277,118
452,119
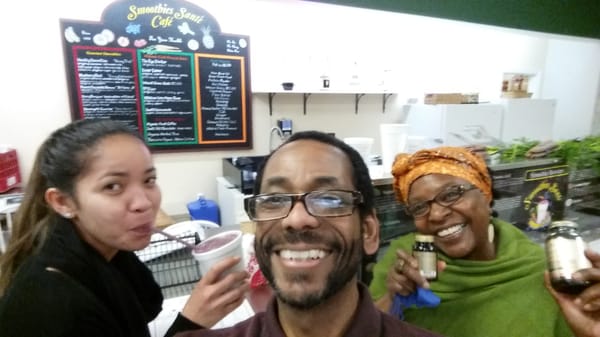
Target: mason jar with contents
426,254
565,255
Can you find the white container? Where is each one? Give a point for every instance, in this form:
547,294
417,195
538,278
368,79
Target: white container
393,141
415,143
361,144
232,247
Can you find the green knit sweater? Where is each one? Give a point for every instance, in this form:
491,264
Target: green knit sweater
504,297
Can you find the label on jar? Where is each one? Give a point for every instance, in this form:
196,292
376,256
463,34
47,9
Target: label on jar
427,264
566,256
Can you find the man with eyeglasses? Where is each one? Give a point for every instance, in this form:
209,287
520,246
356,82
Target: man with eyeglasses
491,275
315,219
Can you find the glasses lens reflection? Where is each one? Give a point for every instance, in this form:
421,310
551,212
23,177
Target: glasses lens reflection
445,198
328,203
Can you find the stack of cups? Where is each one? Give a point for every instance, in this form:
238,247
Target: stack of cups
393,141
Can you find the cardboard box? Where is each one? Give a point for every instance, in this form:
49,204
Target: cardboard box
163,220
10,175
470,98
451,98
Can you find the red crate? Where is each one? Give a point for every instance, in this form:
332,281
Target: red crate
9,170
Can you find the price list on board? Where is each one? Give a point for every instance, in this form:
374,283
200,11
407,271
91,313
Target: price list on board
165,69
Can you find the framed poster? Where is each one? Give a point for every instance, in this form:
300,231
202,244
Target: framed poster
531,193
164,68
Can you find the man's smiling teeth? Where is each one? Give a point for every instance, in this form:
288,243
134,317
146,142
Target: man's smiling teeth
312,254
450,230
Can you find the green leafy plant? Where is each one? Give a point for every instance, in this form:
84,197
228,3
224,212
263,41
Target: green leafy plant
514,151
581,153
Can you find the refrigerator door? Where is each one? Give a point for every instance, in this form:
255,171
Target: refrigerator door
532,119
473,124
457,124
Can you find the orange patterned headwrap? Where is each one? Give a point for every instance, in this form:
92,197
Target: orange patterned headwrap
454,161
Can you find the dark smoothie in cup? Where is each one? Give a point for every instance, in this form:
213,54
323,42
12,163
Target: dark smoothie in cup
218,247
214,243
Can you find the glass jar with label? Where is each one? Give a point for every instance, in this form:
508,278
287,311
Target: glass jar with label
426,254
565,255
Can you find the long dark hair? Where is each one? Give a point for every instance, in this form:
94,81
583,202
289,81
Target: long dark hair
60,160
360,171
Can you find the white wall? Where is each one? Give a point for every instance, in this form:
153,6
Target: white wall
570,68
292,40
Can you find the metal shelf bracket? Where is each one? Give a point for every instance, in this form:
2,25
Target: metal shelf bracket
357,98
271,95
305,97
385,98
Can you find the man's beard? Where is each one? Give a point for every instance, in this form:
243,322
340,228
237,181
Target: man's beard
346,268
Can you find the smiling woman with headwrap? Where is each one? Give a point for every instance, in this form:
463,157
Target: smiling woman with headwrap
491,279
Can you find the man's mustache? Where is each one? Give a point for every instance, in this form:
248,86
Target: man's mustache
300,236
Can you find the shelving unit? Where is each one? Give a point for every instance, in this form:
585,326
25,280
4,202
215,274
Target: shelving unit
306,94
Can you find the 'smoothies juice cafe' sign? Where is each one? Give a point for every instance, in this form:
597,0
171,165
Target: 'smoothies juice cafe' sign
164,68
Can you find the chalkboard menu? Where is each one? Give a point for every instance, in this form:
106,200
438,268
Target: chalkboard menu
164,68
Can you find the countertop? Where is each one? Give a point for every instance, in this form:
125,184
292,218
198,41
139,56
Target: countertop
379,176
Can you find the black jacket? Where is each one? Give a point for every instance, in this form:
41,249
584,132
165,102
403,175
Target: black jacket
69,289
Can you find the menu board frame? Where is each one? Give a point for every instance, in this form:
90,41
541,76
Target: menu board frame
164,68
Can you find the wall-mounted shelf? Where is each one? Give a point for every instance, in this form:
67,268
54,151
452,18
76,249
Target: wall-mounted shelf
305,95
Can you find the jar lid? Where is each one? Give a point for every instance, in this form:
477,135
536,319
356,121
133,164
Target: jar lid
563,223
423,238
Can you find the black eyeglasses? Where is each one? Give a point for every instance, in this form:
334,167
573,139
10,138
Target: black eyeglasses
327,203
445,198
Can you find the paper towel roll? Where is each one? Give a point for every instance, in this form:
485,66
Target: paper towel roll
393,141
